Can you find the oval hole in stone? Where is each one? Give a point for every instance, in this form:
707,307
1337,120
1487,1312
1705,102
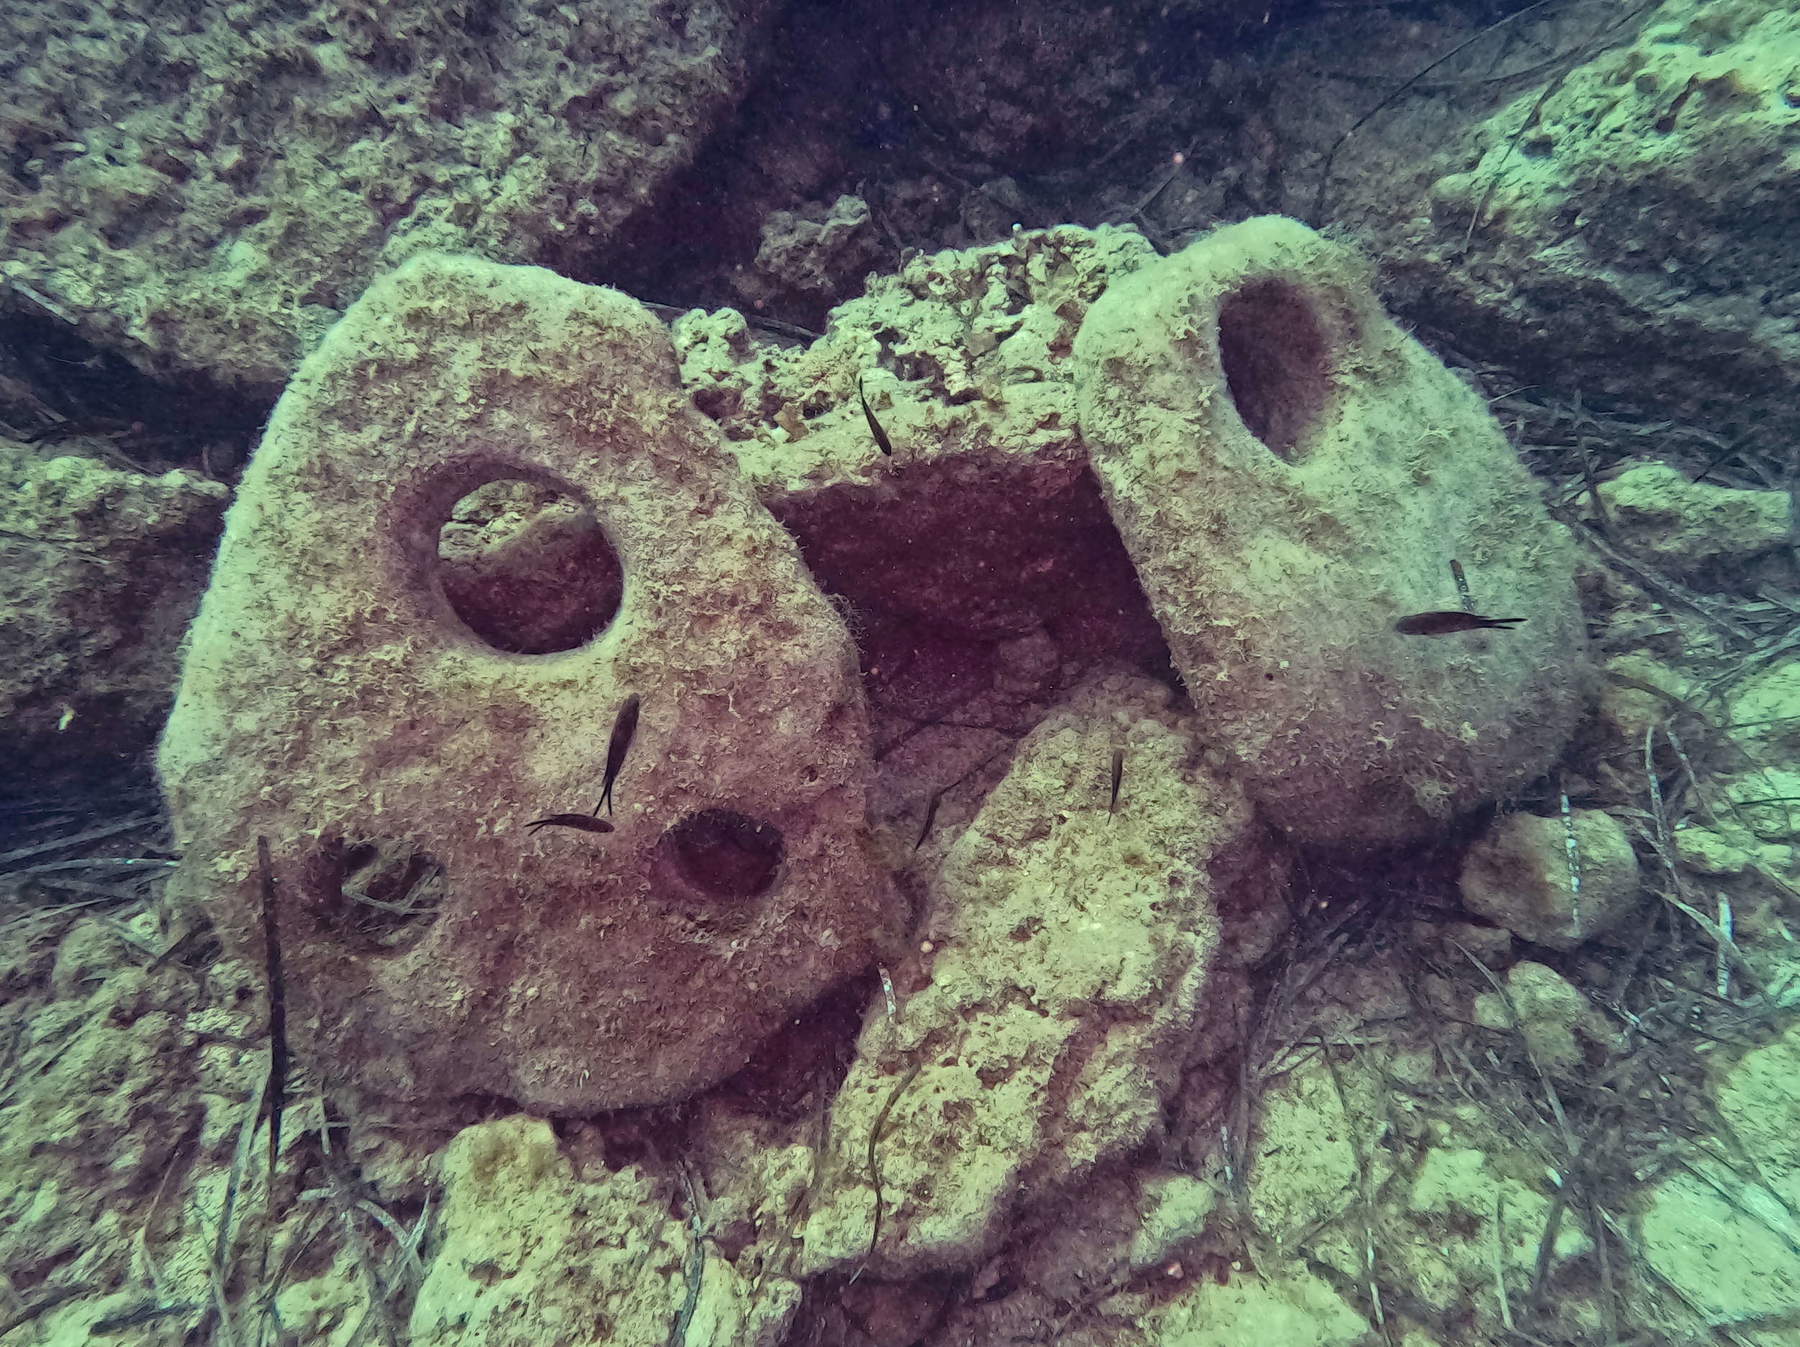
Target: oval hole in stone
725,854
1273,352
528,568
380,895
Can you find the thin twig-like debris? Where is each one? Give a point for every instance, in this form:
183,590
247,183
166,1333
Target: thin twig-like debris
1573,846
875,1131
216,1273
278,1044
696,1266
78,839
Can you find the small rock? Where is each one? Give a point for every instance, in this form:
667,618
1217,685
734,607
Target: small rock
1626,708
1548,1008
1519,876
1176,1208
1716,1231
1710,853
1767,802
1765,710
1694,529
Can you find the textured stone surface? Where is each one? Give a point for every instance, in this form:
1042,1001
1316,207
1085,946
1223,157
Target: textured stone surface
1039,1036
1695,530
101,571
810,257
338,702
480,520
1291,474
519,1220
1517,876
1722,1227
207,190
1641,229
1543,1006
1764,709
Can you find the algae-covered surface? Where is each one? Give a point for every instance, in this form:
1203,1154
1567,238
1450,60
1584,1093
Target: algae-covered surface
800,675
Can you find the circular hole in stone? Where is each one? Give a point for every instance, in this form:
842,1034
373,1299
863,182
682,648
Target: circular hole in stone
528,568
1273,352
725,854
381,895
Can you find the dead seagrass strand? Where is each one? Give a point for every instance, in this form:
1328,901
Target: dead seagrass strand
392,723
1291,475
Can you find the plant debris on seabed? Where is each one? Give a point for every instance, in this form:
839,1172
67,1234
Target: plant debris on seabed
79,882
86,961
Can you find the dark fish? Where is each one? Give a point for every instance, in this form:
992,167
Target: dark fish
616,748
586,822
1445,621
930,818
1118,776
881,440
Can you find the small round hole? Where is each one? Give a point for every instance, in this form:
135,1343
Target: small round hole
1273,353
380,894
528,568
725,854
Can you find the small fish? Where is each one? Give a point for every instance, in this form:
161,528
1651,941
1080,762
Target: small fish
1118,775
1445,621
586,822
881,440
616,748
930,818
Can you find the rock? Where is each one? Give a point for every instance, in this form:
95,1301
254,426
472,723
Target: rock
1765,802
808,260
1627,709
1641,233
1290,1305
452,560
209,196
1176,1208
1517,875
1043,1034
1764,711
1711,853
966,360
1696,531
1491,944
1724,1231
393,747
1311,1130
1466,1216
1291,475
1548,1011
531,1250
102,570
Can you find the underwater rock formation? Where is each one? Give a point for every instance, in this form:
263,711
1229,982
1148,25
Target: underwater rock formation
1042,1029
1633,221
1292,476
520,1214
208,195
1521,875
393,753
418,640
102,569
